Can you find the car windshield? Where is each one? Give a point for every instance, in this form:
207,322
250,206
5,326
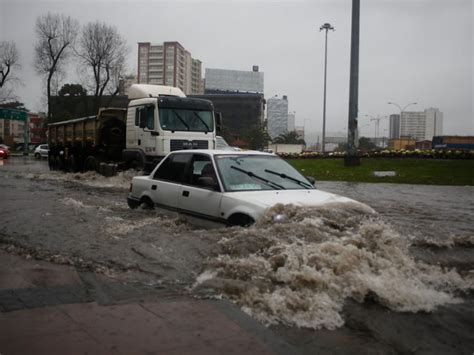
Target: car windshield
258,172
176,119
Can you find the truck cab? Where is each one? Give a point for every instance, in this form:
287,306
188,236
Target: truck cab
161,119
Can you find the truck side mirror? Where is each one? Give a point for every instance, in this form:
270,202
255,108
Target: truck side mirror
142,119
218,121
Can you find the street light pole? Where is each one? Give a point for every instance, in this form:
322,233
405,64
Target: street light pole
327,27
352,159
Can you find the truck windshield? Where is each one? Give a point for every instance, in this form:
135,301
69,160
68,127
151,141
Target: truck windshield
176,119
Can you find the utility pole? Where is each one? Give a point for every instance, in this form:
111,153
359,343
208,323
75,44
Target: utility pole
351,158
327,27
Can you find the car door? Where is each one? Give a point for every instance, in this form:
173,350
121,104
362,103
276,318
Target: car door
167,180
197,198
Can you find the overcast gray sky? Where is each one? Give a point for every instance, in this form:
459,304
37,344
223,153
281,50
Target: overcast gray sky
410,50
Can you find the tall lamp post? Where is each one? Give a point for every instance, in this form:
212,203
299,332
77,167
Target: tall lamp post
401,112
327,27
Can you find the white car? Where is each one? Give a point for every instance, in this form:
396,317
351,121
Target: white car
234,188
41,151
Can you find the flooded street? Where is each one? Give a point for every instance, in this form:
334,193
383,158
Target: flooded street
333,279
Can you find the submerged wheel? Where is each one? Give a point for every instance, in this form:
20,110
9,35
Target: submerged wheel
240,219
37,156
146,203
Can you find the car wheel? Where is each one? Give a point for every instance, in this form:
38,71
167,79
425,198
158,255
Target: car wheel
240,219
146,203
37,156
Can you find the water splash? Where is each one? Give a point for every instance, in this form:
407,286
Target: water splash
300,273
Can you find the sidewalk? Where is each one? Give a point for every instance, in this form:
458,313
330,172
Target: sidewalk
49,309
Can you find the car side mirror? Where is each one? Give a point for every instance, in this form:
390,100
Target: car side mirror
207,182
218,116
311,179
142,119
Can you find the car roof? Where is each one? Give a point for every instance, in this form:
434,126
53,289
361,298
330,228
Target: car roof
223,152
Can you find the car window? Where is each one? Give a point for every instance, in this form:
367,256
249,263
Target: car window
173,168
201,166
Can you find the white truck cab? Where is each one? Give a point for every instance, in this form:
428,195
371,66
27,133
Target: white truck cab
161,119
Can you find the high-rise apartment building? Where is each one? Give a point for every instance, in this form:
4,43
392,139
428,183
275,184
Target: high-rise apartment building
421,125
171,65
394,127
291,121
277,116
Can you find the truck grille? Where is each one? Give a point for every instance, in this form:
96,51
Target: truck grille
179,144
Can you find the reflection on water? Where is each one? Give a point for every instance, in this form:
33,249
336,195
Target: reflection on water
420,211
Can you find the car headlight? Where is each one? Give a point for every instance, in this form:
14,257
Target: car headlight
280,218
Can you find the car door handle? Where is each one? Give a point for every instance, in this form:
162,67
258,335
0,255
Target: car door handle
185,193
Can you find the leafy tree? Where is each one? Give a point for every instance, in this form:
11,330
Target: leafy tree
56,35
289,138
15,105
366,144
72,90
102,52
256,137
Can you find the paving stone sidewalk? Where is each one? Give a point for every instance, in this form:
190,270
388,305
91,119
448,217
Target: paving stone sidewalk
52,309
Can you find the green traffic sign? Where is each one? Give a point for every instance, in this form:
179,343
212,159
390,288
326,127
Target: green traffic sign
11,114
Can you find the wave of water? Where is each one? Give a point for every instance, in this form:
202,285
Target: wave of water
300,273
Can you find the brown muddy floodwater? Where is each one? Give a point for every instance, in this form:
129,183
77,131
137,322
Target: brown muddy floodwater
334,279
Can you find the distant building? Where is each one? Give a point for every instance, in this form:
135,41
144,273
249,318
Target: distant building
277,116
223,80
394,127
169,63
37,128
291,121
421,125
11,131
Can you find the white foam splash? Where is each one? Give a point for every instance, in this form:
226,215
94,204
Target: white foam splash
300,273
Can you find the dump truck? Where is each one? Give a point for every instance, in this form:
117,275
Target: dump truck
158,120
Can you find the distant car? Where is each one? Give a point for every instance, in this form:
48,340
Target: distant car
4,151
234,188
41,151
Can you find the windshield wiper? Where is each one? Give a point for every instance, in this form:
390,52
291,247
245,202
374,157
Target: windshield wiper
180,118
200,119
284,176
252,175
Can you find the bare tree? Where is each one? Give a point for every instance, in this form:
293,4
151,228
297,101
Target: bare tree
102,50
56,35
9,59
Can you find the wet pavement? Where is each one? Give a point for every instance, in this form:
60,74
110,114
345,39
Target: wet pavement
398,282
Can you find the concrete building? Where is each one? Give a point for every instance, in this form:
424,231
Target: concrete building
417,125
394,127
37,128
12,131
291,121
223,80
169,63
277,116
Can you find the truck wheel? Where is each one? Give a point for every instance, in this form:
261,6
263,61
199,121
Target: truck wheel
73,164
136,164
90,164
